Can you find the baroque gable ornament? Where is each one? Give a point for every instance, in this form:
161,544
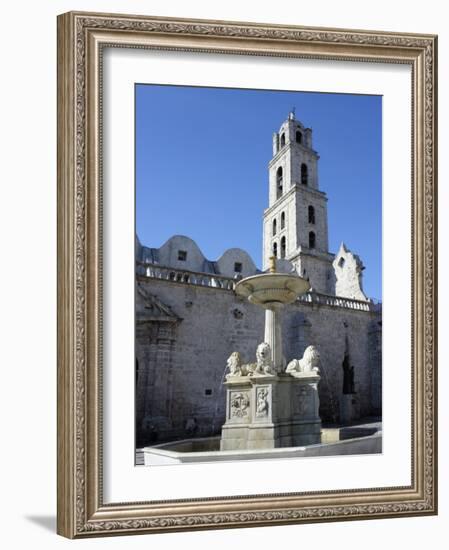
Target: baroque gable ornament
348,269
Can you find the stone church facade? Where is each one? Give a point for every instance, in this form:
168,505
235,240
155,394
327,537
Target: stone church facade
189,319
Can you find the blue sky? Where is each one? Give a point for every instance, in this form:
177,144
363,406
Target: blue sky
201,167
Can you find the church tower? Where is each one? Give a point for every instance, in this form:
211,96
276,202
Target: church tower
295,222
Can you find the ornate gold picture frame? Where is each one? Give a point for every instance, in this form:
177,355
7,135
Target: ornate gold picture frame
82,40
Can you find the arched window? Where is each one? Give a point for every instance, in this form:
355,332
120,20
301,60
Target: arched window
298,137
304,174
275,250
283,247
279,182
282,220
282,140
274,227
312,239
311,214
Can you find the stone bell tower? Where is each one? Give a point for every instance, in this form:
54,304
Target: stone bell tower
295,222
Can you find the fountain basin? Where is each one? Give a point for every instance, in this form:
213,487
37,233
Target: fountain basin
272,288
333,443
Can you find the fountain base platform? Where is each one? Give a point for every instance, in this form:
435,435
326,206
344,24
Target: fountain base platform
271,411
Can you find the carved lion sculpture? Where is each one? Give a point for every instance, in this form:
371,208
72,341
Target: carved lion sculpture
264,364
309,362
237,368
234,364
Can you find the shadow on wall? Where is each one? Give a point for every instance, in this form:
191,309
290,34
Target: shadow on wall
46,522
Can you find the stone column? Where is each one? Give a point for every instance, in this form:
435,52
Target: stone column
273,334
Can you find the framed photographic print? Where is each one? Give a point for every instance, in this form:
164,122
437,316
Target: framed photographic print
246,276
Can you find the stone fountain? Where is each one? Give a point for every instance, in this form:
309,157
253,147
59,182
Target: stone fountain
269,403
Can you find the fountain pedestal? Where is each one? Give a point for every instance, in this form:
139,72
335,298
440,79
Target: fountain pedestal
265,412
268,406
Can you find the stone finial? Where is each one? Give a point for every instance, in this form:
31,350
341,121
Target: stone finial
272,265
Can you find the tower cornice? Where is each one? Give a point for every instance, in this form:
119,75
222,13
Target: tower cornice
289,146
296,188
312,253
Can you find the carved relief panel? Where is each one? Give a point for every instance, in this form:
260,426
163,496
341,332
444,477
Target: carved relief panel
263,403
305,404
239,406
